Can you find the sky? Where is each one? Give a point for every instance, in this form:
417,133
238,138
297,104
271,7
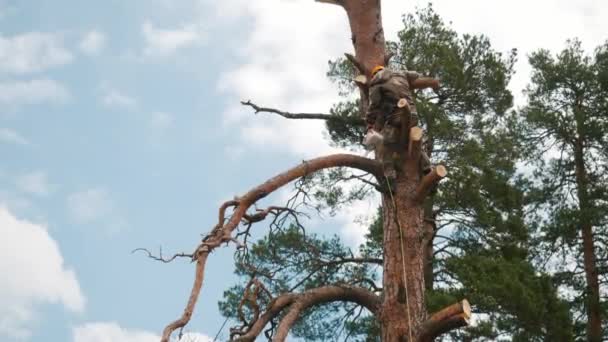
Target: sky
120,127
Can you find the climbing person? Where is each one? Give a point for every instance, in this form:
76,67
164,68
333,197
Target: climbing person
388,122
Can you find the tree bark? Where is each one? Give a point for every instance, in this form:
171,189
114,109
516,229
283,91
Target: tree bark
594,320
365,19
367,34
403,309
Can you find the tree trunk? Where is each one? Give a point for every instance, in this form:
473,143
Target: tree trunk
401,211
403,309
365,19
429,233
594,321
367,34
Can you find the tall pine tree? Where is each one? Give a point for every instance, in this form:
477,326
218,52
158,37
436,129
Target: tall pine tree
480,242
566,129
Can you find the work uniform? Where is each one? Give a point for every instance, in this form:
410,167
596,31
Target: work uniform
386,88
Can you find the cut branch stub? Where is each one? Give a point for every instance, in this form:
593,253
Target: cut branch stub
413,149
356,63
429,181
452,317
361,80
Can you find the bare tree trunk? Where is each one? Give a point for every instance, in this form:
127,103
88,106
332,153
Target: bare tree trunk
403,255
594,320
403,309
365,19
367,34
402,315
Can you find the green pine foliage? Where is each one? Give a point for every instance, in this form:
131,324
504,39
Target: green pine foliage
566,131
495,222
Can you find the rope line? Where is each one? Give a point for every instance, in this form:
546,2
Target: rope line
221,328
407,302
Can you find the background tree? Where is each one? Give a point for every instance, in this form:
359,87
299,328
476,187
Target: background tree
566,127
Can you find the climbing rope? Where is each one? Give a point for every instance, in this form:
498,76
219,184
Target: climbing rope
407,302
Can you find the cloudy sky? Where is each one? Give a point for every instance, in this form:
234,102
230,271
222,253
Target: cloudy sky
120,127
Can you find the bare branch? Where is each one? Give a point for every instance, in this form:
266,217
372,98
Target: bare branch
357,64
160,255
302,301
387,58
223,231
338,261
196,289
287,115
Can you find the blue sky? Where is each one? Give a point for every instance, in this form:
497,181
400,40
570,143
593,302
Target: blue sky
120,127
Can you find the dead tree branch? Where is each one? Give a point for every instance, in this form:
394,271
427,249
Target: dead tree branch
287,115
196,289
222,232
357,64
160,255
299,302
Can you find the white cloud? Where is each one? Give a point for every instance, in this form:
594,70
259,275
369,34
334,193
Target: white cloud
14,202
32,52
165,42
35,183
93,42
37,91
284,58
355,220
495,20
10,136
161,120
110,332
89,205
113,332
115,99
282,71
33,272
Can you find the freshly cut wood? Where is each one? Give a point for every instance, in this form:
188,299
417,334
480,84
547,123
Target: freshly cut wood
452,317
361,79
413,149
428,181
462,307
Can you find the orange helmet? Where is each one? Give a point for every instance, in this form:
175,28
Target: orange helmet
376,69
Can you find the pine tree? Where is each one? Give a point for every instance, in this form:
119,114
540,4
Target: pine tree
476,218
566,127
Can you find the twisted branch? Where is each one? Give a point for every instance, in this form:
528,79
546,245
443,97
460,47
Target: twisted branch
222,232
300,302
